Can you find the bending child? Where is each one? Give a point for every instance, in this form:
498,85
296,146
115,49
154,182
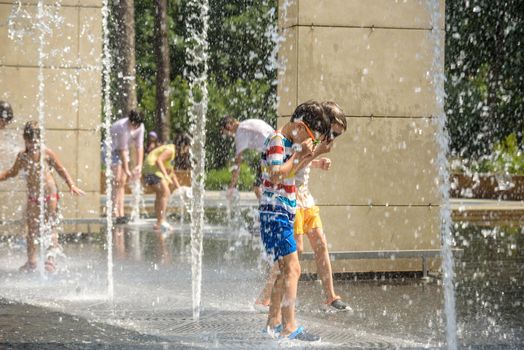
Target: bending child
159,174
287,151
29,162
307,220
249,134
124,132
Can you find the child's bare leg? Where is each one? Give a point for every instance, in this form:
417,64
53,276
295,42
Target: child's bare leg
291,272
121,194
32,232
51,220
300,243
318,242
51,217
162,196
265,296
277,292
258,192
118,190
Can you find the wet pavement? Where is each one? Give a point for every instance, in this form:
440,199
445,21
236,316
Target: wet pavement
152,306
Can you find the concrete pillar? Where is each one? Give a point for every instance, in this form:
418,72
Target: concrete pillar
373,58
72,74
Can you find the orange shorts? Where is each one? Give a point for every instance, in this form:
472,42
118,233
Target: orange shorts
306,219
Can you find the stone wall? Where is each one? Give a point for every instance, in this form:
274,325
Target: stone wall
72,78
373,59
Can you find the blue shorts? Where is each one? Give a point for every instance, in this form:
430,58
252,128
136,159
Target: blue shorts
276,231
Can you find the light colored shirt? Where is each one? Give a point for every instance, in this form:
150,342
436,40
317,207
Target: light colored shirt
251,134
122,135
304,197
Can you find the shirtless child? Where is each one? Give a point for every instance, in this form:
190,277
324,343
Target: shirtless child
29,162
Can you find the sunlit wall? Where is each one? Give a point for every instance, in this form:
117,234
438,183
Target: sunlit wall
373,58
71,67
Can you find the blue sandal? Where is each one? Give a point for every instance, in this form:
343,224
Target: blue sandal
301,334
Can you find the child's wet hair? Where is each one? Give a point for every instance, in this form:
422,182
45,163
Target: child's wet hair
182,159
227,119
335,113
312,114
6,111
32,131
136,116
182,139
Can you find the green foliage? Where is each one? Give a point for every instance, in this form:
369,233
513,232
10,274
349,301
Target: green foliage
241,83
485,74
507,158
219,179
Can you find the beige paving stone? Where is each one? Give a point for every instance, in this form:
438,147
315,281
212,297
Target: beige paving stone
13,203
381,161
60,95
368,72
412,14
89,206
288,73
287,13
89,99
65,145
88,161
68,205
61,40
378,228
90,37
360,228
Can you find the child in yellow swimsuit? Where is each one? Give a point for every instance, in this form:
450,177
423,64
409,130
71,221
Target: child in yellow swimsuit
160,176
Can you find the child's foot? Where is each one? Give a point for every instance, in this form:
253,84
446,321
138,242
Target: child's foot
262,302
50,264
51,254
339,305
261,306
301,334
28,267
165,227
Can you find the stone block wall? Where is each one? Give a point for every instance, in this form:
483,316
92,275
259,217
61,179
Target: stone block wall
72,108
373,58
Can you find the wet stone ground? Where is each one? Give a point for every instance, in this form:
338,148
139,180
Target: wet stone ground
152,306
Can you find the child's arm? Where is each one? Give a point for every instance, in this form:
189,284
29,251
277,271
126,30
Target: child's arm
124,156
277,169
236,172
137,171
55,162
167,154
321,163
176,184
15,169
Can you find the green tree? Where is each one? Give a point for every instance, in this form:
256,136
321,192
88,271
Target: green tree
242,80
485,74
